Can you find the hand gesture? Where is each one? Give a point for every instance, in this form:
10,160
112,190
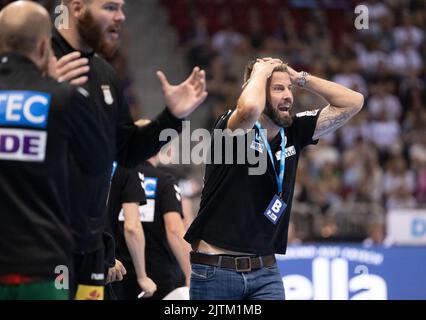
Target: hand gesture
184,98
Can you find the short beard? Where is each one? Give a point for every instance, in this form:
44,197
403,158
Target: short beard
275,116
91,33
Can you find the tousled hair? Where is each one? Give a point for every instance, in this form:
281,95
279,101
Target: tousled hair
249,69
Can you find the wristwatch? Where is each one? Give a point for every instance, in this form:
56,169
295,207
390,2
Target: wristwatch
301,81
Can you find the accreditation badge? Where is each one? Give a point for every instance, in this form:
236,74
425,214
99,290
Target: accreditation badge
275,209
109,100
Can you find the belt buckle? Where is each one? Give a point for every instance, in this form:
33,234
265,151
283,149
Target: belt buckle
238,269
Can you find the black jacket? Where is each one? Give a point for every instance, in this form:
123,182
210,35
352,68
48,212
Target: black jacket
128,144
41,123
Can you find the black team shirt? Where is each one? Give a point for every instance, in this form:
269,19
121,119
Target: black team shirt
128,144
162,196
41,123
233,203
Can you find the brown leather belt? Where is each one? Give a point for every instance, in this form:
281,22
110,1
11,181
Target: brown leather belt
237,263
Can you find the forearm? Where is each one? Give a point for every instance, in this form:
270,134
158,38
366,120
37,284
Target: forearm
139,143
337,95
135,241
344,103
253,97
181,250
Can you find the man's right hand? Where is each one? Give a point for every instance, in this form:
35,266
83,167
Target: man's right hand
148,286
266,66
73,69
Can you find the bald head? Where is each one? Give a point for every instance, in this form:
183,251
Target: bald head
23,25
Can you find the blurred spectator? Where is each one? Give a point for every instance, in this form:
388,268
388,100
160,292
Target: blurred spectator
350,78
226,40
405,59
377,10
357,128
382,101
387,39
401,198
292,235
371,56
376,235
255,29
408,32
398,183
197,44
323,154
385,135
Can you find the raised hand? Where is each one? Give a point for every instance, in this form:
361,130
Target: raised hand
266,66
184,98
294,75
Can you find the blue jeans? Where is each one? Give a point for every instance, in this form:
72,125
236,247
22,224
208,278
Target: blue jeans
214,283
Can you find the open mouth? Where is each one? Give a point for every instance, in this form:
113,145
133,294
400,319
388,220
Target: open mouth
114,32
284,107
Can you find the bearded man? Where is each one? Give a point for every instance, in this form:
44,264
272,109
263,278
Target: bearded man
243,218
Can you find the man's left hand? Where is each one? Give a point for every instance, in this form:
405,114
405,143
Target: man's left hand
184,98
294,75
116,273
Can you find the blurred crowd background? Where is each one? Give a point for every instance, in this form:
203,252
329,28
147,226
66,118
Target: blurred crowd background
376,163
349,182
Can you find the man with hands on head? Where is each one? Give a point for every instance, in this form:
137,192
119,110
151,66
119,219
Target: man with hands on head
243,219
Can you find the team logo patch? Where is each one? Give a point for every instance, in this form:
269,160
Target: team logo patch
142,179
22,145
290,151
24,109
310,113
146,211
178,193
27,109
97,276
150,187
109,100
83,92
256,144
